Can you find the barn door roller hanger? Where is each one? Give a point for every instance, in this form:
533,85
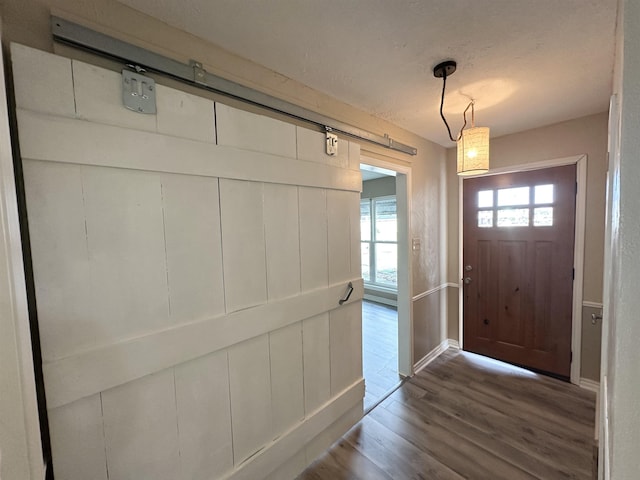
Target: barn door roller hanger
138,91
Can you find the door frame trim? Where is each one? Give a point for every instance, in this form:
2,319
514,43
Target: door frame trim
580,161
405,275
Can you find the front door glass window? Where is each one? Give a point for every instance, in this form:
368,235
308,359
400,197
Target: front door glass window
516,207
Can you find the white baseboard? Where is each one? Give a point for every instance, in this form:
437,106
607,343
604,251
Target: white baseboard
299,461
431,356
383,300
279,452
589,384
454,344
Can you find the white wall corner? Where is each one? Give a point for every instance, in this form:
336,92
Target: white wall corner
431,356
453,344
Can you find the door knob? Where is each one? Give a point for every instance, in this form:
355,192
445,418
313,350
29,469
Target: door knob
467,280
468,268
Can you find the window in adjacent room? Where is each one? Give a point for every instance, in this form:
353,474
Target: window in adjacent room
379,241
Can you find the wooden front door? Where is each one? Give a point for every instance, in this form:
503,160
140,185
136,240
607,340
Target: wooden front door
518,242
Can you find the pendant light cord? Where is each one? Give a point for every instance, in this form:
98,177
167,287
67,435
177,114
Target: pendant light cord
464,115
444,87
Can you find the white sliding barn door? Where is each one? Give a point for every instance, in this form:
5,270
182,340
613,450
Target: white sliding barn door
188,267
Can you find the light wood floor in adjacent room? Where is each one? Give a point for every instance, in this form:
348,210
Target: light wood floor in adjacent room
379,351
465,416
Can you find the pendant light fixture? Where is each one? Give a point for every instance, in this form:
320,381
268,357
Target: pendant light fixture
473,142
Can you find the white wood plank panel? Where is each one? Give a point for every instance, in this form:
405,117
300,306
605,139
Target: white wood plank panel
345,331
191,212
354,234
141,431
313,238
339,235
243,244
250,381
287,390
282,240
84,374
246,130
317,362
69,140
354,156
51,93
204,417
347,402
312,147
185,115
129,292
98,94
77,440
60,257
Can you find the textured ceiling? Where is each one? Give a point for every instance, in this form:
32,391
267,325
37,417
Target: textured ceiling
527,63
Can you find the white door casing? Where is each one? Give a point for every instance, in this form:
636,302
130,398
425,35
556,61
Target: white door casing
405,275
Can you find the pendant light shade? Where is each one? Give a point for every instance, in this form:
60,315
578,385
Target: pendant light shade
473,151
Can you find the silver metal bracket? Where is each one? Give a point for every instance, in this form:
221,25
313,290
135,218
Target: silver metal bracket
138,92
199,73
332,143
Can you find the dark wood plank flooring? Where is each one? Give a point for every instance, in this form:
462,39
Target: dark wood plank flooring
379,351
465,416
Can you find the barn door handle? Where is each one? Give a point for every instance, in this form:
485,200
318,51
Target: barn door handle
349,292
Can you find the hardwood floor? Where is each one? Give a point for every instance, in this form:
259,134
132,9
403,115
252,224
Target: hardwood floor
379,351
465,416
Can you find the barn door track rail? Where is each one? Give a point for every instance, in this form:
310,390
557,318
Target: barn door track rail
193,73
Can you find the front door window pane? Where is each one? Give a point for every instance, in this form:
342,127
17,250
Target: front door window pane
485,218
513,217
387,264
485,199
543,217
513,196
543,194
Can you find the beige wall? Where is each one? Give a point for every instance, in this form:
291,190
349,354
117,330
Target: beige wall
587,135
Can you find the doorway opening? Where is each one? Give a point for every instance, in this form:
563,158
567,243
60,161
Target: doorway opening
383,219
